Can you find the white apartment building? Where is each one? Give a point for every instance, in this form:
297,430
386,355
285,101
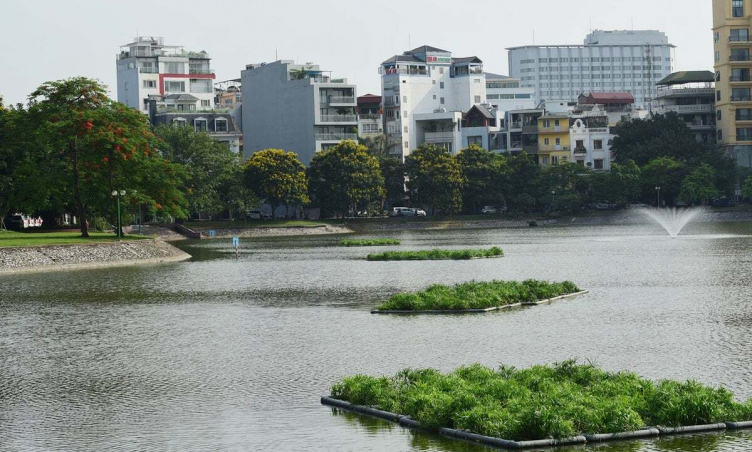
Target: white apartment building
149,69
425,92
504,93
591,139
295,107
609,61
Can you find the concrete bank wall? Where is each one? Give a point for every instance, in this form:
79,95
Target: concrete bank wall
273,232
63,257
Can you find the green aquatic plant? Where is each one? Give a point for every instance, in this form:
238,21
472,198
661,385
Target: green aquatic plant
369,242
477,295
436,254
540,402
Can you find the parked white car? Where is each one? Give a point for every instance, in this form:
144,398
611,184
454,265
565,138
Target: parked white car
493,210
420,212
402,212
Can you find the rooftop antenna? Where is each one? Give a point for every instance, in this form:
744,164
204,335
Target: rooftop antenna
276,55
409,41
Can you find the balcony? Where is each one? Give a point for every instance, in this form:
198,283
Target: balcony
698,108
338,118
530,129
148,70
338,100
439,137
200,71
739,79
336,136
391,102
743,117
740,58
369,116
741,98
580,151
744,137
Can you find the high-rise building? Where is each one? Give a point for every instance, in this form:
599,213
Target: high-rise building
425,92
732,20
608,61
691,95
504,93
295,107
149,69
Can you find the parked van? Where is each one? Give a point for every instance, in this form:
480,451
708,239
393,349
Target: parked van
402,212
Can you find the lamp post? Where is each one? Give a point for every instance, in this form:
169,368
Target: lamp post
117,194
553,198
140,219
658,190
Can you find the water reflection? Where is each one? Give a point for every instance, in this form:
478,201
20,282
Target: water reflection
226,353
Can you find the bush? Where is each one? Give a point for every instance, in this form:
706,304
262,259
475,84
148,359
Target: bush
435,254
477,295
557,401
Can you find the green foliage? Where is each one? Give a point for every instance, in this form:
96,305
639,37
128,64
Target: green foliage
434,178
698,186
346,177
624,182
522,183
94,145
664,172
747,188
212,169
436,254
540,402
276,176
485,174
477,295
643,140
394,180
376,145
369,242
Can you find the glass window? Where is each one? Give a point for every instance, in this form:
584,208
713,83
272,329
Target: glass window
597,144
200,125
742,114
737,8
201,85
174,87
739,35
220,125
740,94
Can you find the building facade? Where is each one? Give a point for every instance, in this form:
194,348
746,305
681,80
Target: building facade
147,68
553,139
691,95
425,92
591,140
732,20
295,107
631,61
370,119
504,93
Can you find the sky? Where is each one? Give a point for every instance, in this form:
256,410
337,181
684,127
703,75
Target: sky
42,40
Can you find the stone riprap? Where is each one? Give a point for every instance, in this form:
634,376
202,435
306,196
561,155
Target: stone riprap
60,257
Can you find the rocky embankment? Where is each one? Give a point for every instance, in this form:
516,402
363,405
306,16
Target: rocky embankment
62,257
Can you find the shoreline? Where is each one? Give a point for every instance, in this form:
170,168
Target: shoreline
49,258
282,231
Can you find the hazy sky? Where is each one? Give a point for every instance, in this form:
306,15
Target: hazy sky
44,40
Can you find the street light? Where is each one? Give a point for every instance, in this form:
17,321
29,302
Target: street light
553,198
658,189
117,194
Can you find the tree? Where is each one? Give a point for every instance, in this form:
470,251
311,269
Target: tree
209,165
394,180
278,177
747,188
562,179
484,174
666,173
103,146
624,182
346,177
698,186
643,140
522,181
434,178
377,145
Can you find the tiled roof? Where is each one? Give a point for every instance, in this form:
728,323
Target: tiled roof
678,78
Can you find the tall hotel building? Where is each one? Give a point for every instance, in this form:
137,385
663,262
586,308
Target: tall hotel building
608,61
732,20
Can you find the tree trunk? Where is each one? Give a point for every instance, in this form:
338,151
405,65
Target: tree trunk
77,193
274,211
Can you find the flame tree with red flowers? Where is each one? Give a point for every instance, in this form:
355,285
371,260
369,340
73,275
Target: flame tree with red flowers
104,146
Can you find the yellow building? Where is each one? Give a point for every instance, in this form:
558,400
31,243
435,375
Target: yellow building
732,20
553,139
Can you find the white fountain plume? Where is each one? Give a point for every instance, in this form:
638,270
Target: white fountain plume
673,220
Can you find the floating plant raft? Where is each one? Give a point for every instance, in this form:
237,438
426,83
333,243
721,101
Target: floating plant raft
369,242
541,406
477,297
437,255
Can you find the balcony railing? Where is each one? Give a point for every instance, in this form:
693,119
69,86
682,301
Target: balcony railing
744,137
369,116
336,136
580,150
148,70
743,117
530,129
740,78
338,118
391,102
515,125
733,58
439,137
340,100
741,98
698,108
206,71
741,39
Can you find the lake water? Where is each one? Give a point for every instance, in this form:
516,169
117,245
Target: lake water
232,354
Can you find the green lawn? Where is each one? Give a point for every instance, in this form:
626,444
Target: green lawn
254,224
15,239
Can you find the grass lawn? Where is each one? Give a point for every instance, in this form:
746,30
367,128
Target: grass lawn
254,224
15,239
541,402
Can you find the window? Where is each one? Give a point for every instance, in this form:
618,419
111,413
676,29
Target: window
598,144
477,99
175,68
434,97
174,87
371,128
546,123
720,135
739,75
405,129
441,85
742,114
737,8
739,55
202,85
475,140
220,125
739,35
740,94
744,134
558,141
555,160
404,99
150,83
205,103
433,82
545,141
200,124
178,122
718,96
556,123
598,163
407,144
404,114
442,101
441,71
718,114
